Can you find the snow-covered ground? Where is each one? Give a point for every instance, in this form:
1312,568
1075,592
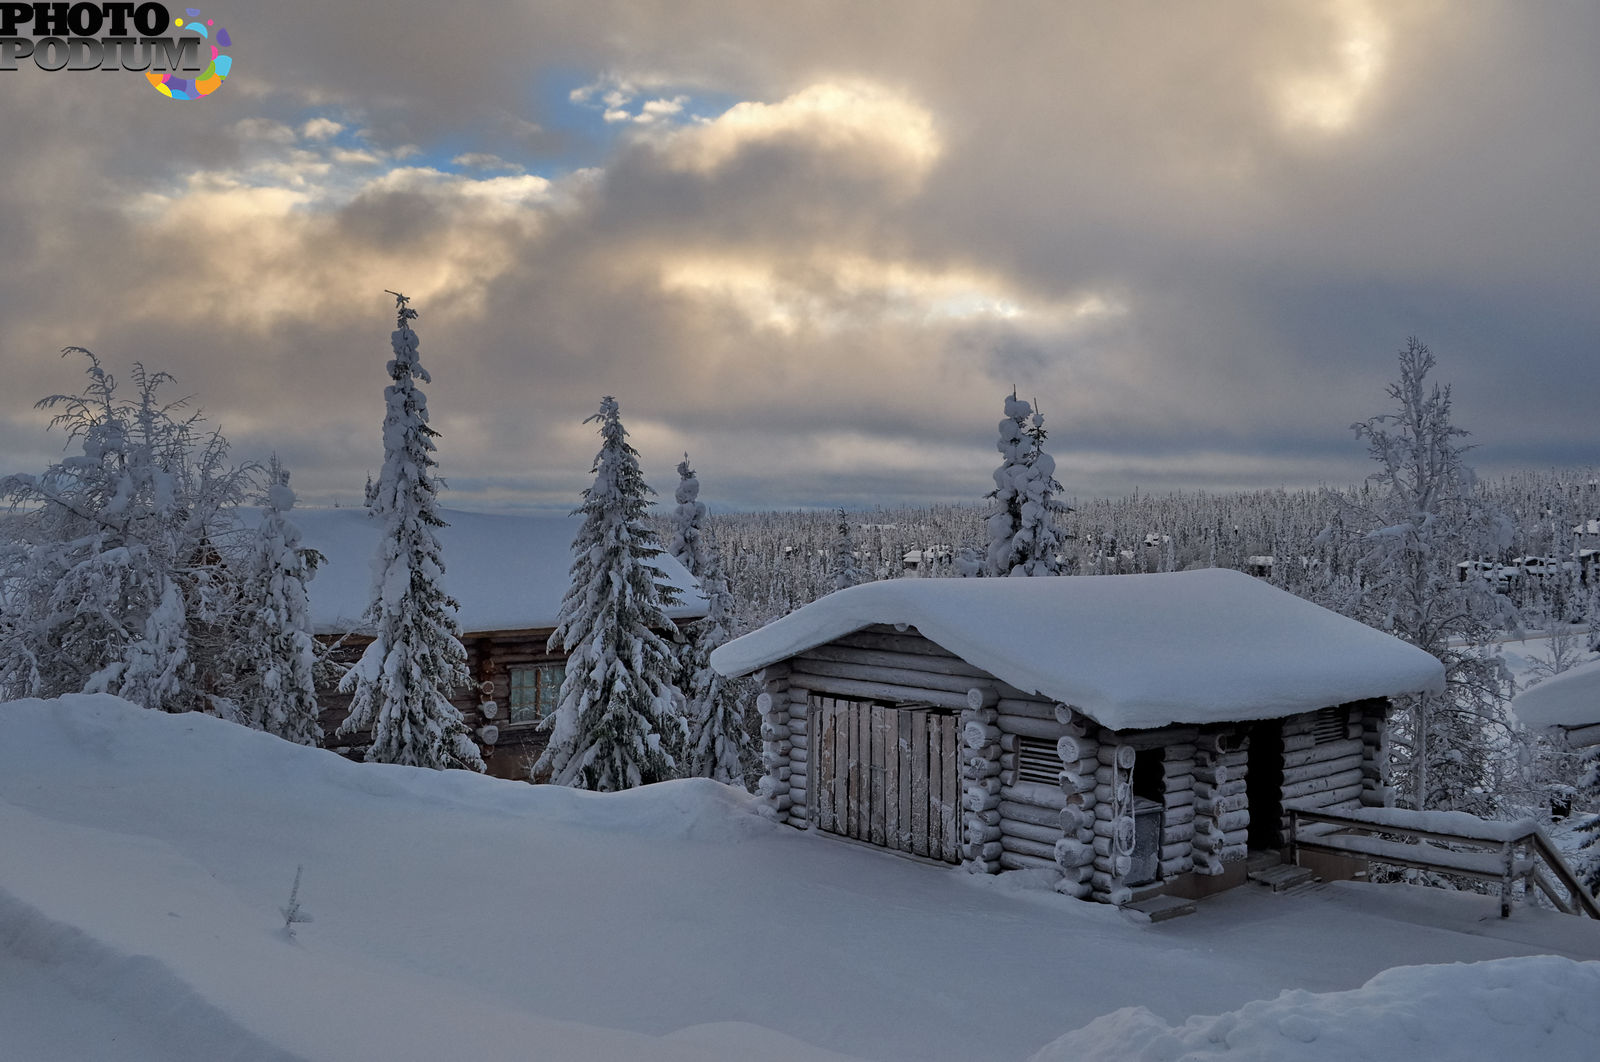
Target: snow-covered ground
144,857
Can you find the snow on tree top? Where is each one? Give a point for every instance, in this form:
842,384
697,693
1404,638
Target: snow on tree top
1131,651
1571,699
507,572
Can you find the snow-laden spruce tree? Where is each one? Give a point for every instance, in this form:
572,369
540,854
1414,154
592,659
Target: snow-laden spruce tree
688,546
620,721
718,737
275,652
1021,517
1420,518
719,733
112,576
846,566
403,681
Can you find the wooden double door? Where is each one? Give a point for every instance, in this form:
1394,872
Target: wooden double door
887,775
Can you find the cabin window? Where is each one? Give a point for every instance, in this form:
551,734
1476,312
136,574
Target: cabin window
1330,725
1038,761
535,691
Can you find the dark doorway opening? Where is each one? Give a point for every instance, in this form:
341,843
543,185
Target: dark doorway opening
1264,784
1149,795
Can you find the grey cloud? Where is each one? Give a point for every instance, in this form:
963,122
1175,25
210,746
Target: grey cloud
1266,272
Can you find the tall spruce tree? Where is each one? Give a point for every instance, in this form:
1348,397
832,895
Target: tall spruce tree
1419,519
275,652
846,567
620,722
718,740
403,681
1020,521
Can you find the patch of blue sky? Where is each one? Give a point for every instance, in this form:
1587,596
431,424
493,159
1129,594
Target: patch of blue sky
567,102
575,103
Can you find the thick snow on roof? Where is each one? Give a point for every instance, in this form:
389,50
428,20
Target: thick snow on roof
1132,651
508,572
1571,698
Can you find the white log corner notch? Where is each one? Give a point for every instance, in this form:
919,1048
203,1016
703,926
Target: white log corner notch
980,781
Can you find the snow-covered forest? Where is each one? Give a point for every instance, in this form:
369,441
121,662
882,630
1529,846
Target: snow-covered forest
778,561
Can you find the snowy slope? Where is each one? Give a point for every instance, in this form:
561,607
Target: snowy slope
145,857
507,572
1129,650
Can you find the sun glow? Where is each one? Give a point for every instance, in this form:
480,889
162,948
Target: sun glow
1328,100
856,290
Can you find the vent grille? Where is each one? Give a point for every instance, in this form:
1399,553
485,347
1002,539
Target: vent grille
1038,761
1331,724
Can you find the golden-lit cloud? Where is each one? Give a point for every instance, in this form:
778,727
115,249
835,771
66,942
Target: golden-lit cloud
833,291
1329,97
856,117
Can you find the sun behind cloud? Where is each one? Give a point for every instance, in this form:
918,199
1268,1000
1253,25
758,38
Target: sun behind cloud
1328,100
861,117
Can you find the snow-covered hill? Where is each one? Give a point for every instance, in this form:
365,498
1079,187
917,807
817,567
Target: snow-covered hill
144,858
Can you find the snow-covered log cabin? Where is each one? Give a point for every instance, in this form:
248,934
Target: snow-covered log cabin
1125,733
508,574
1566,706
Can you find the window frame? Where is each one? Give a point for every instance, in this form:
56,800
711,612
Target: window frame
546,692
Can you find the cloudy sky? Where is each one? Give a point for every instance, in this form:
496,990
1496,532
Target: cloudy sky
815,243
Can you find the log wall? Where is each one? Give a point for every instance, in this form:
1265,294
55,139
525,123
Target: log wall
1221,822
1178,801
1325,771
982,841
1078,748
777,709
1375,789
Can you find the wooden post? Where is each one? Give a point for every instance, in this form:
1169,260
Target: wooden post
1508,853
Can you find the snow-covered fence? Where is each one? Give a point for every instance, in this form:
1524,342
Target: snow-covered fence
1448,843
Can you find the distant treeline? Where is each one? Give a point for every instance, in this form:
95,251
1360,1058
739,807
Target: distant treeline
778,561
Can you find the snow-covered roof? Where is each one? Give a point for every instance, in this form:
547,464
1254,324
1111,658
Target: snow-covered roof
1569,699
1131,651
508,572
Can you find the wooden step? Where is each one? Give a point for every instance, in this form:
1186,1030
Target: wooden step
1282,877
1145,891
1262,858
1159,908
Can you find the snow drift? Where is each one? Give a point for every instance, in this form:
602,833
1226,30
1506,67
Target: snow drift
1537,1007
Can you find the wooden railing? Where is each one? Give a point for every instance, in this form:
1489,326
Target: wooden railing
1449,843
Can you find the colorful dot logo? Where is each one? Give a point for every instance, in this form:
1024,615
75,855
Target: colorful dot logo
210,79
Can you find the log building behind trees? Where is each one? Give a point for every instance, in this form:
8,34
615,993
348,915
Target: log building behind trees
1123,734
508,574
